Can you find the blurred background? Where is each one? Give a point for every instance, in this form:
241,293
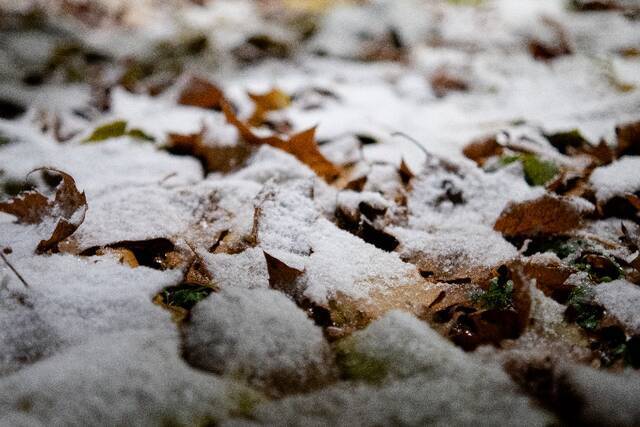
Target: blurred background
443,71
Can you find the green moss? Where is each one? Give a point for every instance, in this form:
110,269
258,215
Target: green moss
184,296
498,296
358,366
612,272
245,402
584,311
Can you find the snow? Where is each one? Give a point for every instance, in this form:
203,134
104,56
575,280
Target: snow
71,300
109,378
456,252
621,299
259,335
607,398
84,343
431,382
248,269
616,179
343,263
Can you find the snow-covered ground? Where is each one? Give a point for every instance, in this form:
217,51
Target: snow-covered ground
210,274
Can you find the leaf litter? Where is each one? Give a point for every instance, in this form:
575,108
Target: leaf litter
316,266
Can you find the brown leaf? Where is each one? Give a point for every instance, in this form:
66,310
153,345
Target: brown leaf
273,100
550,277
482,149
281,276
301,145
406,174
214,157
197,273
124,256
443,82
199,92
628,135
66,209
468,326
544,51
545,215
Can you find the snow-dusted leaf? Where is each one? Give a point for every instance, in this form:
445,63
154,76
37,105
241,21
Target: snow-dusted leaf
56,216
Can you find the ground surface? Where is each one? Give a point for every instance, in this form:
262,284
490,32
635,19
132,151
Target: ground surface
278,212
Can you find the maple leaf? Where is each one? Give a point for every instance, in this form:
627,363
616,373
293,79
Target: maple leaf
302,145
57,216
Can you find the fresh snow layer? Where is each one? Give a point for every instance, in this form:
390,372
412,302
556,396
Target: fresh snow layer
430,382
621,299
617,179
108,379
259,335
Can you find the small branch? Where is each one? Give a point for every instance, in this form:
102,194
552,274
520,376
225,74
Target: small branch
6,261
413,140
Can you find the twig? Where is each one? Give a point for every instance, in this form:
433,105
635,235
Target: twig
6,261
415,142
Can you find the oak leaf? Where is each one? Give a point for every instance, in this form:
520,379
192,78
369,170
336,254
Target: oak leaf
273,100
301,145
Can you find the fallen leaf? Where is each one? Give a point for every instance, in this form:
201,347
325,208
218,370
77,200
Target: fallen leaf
482,149
106,131
545,51
114,130
273,100
548,214
57,216
444,82
199,92
301,145
628,136
214,157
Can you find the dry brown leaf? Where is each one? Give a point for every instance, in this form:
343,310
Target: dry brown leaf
548,214
406,174
273,100
199,92
419,298
628,135
545,51
301,145
61,214
124,256
550,277
214,157
443,82
281,276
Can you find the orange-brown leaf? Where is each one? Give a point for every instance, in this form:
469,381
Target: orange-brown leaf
301,145
273,100
199,92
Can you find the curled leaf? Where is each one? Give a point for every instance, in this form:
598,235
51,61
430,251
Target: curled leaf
57,216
